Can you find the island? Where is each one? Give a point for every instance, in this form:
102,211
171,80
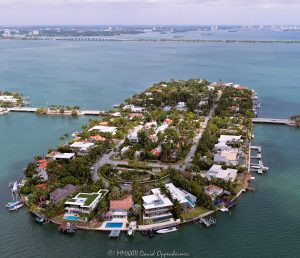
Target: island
177,152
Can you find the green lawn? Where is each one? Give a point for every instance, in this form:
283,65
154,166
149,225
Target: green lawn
89,198
194,212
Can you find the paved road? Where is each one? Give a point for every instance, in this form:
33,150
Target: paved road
193,149
106,158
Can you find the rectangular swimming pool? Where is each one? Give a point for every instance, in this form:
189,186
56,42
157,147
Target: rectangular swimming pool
114,225
70,217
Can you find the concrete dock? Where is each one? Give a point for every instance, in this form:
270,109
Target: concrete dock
273,121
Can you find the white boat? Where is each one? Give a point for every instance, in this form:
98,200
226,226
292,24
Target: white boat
166,230
3,111
257,167
12,204
224,209
16,207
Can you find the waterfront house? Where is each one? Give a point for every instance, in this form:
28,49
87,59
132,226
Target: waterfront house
230,156
82,147
118,209
84,202
42,169
60,194
134,109
230,139
156,206
216,171
186,199
213,191
104,129
8,98
64,156
50,156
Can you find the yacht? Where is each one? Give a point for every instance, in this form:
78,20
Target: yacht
16,207
166,230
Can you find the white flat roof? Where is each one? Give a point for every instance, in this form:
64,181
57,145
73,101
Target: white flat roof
161,128
84,145
156,200
104,129
176,193
64,156
225,174
228,138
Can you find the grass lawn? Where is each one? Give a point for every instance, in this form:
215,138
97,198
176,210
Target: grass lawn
194,212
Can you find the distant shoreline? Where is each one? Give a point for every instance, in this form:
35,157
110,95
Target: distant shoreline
205,41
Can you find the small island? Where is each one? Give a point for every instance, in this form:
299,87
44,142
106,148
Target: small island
175,153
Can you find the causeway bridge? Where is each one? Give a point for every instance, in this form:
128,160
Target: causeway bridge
34,110
273,121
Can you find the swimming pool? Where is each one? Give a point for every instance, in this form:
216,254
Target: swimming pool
71,217
191,203
114,225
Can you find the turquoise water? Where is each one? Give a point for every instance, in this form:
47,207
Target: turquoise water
265,223
113,225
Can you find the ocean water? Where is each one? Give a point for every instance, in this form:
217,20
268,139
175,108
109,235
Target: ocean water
97,75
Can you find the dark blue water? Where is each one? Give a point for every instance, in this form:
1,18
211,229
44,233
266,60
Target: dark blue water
97,75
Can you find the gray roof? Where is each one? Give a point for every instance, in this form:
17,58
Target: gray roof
60,194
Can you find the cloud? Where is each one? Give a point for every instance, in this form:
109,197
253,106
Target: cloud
150,3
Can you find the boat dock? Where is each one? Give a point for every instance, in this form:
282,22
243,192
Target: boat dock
67,227
273,121
207,221
254,166
115,234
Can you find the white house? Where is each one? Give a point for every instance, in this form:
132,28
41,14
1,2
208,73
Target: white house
82,146
8,98
230,156
213,191
156,206
64,156
84,202
185,198
216,171
104,129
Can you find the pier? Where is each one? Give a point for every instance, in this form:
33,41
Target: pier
273,121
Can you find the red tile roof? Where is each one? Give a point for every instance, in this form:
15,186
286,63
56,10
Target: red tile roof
103,123
155,152
43,163
97,138
42,186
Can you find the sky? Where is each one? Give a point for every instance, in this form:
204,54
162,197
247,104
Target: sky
149,12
